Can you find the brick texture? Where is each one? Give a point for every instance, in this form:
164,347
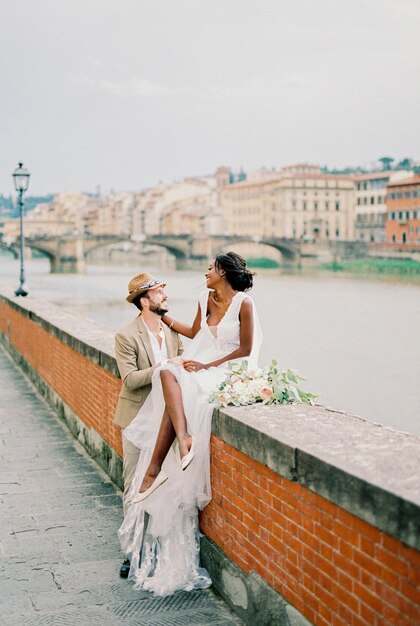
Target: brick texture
332,566
90,391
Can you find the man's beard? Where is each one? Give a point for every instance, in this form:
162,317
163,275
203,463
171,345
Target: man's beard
158,309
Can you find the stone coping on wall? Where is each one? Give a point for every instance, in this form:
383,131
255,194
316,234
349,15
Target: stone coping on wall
370,470
91,339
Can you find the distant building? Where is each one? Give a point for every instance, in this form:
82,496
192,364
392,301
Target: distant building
186,207
301,168
403,212
111,214
64,215
371,207
294,205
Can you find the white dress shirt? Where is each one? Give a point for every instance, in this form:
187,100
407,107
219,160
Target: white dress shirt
160,352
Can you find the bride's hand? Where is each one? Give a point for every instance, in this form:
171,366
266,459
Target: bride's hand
194,366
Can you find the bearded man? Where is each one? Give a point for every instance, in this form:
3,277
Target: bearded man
140,347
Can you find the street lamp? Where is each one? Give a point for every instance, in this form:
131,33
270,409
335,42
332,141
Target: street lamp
21,180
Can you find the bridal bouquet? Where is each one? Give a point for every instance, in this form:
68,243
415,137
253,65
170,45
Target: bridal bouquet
269,385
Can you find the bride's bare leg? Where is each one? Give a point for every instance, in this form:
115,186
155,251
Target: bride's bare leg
173,424
175,409
165,438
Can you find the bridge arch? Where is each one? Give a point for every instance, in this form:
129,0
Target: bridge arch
9,248
94,244
288,249
14,249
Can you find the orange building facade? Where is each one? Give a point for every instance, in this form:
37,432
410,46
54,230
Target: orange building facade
403,212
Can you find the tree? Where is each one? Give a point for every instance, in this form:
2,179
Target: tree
405,164
386,163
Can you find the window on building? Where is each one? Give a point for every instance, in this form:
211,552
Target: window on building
337,206
380,200
364,200
315,206
304,205
365,185
358,201
379,183
404,238
327,205
372,199
337,232
294,205
393,238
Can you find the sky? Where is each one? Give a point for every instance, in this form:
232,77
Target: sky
126,93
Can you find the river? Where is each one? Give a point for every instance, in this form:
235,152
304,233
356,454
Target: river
355,339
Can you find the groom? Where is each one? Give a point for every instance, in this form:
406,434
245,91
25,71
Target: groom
140,347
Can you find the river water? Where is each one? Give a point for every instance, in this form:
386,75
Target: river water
355,339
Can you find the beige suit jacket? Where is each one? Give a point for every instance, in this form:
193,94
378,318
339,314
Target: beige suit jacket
136,364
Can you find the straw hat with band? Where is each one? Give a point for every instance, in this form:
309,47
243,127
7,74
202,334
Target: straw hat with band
141,283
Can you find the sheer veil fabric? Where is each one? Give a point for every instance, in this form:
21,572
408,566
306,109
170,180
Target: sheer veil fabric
160,536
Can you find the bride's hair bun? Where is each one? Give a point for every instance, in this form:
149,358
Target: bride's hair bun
237,274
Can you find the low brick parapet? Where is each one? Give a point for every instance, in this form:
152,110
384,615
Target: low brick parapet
315,513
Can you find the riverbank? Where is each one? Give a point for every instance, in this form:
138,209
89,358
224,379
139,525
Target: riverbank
369,265
374,265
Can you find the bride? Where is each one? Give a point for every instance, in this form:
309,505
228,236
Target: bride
160,532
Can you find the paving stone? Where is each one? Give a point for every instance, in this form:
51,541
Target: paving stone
59,515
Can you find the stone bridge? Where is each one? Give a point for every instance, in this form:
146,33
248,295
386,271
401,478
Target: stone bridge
68,254
188,246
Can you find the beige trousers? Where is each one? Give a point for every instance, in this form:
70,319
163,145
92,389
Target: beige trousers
130,458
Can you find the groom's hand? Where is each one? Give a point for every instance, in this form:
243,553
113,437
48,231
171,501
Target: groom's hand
176,360
194,366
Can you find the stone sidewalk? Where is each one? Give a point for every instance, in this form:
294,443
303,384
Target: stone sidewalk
59,515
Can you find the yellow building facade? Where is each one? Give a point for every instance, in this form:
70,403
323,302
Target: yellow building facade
294,206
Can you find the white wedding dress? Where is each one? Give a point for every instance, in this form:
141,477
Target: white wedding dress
160,535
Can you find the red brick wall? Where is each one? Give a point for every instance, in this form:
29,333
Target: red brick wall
89,390
331,566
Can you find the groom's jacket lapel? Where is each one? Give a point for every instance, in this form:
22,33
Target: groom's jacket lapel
144,336
169,337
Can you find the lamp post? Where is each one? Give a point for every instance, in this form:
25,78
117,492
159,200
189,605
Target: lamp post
21,180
